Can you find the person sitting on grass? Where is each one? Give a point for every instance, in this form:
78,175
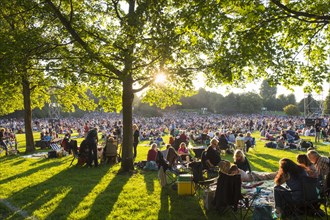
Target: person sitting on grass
305,163
159,140
47,137
151,158
241,161
249,141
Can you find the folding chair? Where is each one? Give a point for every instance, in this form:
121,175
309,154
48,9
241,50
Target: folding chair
201,183
170,175
309,205
228,197
312,198
55,147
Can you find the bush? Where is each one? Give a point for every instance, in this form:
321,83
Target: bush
291,110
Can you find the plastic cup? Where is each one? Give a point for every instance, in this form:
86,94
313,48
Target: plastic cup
258,189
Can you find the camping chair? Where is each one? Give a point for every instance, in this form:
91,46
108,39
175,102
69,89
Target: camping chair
312,198
55,147
169,165
228,197
201,183
211,171
309,205
110,152
163,167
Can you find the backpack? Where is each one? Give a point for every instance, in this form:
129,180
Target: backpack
306,144
292,146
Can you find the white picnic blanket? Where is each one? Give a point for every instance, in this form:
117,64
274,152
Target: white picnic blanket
36,155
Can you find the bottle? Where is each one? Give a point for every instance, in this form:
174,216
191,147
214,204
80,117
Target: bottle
274,215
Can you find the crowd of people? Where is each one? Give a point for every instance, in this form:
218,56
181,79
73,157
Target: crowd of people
231,134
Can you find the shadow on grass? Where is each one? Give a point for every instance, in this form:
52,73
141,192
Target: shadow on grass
18,161
68,188
149,178
174,206
108,196
263,160
31,171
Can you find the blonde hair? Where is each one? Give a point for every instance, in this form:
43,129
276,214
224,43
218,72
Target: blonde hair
154,145
214,140
238,152
135,127
224,166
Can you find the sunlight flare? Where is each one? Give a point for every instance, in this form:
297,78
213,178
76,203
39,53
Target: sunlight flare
160,78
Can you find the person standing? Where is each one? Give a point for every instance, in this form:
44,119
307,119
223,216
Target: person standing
92,140
136,135
317,127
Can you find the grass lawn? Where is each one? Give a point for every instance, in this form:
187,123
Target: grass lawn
50,189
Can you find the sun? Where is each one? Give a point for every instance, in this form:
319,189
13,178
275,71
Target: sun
160,78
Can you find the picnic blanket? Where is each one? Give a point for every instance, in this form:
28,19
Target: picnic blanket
266,195
36,155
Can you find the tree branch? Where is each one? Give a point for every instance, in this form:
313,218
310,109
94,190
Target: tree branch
297,14
71,11
310,39
76,37
146,64
144,86
100,74
115,4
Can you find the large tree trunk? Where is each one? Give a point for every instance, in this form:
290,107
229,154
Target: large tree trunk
28,116
127,146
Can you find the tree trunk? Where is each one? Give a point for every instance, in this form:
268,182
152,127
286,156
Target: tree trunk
28,116
127,146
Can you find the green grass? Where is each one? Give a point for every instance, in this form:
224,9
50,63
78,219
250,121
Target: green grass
50,189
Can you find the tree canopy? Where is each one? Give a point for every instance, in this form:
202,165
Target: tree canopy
117,47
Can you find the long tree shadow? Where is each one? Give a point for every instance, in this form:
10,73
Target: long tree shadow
18,161
261,159
31,171
109,196
69,187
